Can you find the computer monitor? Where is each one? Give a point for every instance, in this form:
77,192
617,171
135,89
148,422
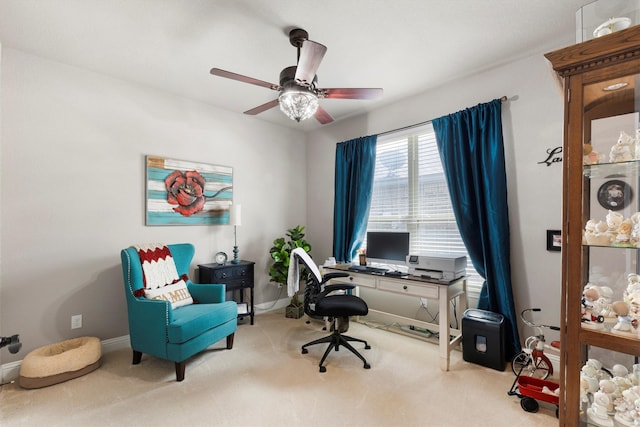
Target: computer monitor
387,247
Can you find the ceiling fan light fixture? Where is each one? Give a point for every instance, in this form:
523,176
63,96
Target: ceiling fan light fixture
298,104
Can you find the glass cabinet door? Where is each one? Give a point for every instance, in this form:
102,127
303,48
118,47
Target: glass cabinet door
600,342
606,299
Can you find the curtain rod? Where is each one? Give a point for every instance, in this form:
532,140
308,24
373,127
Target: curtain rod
503,99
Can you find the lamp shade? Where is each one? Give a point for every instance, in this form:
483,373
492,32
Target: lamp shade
236,215
298,104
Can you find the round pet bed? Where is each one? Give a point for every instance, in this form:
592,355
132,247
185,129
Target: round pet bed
58,362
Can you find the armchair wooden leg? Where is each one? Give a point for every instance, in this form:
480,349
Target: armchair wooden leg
180,370
230,341
137,357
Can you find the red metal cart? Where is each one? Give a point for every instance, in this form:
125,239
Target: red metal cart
530,391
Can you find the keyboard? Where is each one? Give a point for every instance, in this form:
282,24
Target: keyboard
367,269
395,274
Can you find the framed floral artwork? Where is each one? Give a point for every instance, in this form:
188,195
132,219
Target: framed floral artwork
181,192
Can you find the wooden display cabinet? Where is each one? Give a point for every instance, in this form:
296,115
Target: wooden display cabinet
601,98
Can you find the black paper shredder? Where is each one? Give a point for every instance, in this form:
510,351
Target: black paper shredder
483,338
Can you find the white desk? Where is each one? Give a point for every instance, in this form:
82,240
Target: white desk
422,288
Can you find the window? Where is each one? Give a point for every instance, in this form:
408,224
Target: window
410,194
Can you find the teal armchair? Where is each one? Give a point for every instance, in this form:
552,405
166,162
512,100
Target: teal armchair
176,334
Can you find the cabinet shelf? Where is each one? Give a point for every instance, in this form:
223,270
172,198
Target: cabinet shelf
611,341
610,246
609,170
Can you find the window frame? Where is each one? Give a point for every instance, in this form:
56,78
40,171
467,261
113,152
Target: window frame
412,140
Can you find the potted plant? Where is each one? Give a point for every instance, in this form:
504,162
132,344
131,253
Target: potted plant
280,253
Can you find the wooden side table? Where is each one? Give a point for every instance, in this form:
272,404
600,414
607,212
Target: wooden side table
236,277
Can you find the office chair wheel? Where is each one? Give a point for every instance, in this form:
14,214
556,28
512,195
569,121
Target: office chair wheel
367,366
305,351
367,347
323,369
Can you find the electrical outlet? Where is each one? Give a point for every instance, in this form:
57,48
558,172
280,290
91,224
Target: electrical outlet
76,321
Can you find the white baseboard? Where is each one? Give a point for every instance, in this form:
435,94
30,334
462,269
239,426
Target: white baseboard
114,344
10,372
272,305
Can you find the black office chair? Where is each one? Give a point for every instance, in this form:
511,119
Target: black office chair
321,301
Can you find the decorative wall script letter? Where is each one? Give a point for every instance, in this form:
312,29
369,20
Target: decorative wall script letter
553,156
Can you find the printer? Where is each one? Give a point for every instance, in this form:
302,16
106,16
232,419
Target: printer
438,266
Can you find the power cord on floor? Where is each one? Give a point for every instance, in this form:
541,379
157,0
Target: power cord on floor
380,325
424,306
434,318
274,302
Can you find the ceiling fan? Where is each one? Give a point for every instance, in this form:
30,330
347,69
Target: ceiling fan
299,93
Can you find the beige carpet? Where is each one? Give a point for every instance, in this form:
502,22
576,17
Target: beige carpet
265,381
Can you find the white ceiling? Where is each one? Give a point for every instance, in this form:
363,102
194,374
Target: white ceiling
403,46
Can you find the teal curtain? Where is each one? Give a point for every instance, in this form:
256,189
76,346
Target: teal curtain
472,153
354,170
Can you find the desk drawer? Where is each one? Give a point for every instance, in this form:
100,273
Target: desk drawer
214,273
233,273
364,280
238,284
409,288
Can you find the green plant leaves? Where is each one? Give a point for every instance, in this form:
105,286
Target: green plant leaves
280,253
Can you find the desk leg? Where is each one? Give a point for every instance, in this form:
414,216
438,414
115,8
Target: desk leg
463,304
253,312
443,329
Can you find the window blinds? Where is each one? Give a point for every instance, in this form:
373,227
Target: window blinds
410,194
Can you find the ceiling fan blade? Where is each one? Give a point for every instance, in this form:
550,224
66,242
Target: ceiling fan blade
244,79
322,116
311,54
264,107
351,93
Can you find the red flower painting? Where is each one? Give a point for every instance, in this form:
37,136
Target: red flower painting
185,190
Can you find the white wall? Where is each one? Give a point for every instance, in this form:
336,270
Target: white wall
72,176
72,194
532,123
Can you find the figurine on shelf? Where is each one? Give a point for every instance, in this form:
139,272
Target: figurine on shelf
631,296
589,232
599,411
635,374
590,316
628,310
635,229
589,381
626,407
621,309
596,233
590,157
614,219
621,151
622,381
623,237
602,304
